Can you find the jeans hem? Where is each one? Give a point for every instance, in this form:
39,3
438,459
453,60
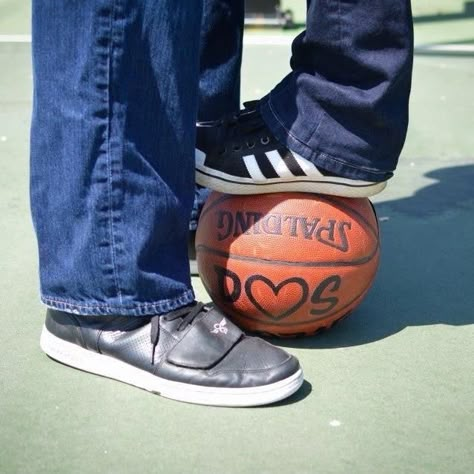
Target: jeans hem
340,166
132,309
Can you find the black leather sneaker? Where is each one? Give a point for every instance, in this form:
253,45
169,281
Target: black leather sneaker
194,354
240,155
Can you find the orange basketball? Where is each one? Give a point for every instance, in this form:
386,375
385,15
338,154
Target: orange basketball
287,264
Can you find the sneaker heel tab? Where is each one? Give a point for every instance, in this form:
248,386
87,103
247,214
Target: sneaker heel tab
64,325
60,317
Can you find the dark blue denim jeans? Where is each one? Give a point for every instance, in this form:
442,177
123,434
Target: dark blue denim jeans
344,106
219,70
118,86
112,147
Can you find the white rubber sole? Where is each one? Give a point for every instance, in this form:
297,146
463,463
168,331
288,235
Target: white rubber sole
330,185
83,359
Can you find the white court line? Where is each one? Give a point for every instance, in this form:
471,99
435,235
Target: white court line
446,48
15,38
285,40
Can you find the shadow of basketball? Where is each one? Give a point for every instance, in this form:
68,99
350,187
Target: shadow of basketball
426,271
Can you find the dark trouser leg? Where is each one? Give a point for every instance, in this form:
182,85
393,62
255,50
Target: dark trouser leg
220,61
344,106
112,141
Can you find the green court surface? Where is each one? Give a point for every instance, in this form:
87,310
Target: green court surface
389,390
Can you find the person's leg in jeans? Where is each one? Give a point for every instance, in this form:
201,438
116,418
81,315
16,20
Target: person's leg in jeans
336,124
112,131
219,70
220,58
112,146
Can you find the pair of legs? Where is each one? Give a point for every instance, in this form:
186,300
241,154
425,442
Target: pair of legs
119,86
336,124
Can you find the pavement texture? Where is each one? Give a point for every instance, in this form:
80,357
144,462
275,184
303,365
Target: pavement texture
389,390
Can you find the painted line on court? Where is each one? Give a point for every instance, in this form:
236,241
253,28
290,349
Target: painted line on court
459,49
285,40
15,38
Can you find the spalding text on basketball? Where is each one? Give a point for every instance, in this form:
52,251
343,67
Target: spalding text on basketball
329,232
322,297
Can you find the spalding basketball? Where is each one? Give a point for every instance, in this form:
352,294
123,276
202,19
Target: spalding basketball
287,264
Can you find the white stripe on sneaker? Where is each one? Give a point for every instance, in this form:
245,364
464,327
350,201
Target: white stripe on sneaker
307,166
253,168
278,164
200,156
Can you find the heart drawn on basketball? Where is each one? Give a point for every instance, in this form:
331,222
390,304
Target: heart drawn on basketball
268,297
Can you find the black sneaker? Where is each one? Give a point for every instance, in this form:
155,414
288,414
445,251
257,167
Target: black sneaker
240,155
194,354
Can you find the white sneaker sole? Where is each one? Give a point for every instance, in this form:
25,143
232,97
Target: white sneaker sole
330,185
75,356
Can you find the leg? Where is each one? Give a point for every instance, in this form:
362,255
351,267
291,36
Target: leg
116,86
219,79
345,105
336,124
111,141
221,58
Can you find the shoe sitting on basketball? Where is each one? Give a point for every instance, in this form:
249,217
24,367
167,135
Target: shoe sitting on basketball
193,354
240,155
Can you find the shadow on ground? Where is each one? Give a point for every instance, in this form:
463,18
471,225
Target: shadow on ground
299,395
426,271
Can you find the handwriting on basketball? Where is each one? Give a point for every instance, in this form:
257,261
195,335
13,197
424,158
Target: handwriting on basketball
329,232
323,298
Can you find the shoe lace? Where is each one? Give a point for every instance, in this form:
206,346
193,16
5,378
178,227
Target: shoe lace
248,124
188,315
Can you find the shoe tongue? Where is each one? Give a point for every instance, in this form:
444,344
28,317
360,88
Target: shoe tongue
210,338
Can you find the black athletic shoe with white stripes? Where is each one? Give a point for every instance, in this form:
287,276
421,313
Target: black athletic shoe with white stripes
194,354
240,155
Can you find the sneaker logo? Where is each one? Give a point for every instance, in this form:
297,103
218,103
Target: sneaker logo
220,327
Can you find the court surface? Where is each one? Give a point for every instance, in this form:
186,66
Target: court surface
390,390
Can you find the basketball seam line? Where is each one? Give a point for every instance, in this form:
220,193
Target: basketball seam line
220,253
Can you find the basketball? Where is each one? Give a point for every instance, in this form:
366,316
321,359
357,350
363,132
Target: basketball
287,264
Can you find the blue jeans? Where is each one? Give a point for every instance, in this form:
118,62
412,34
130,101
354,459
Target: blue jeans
118,86
344,106
219,70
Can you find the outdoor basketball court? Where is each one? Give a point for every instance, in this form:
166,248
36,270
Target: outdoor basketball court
389,390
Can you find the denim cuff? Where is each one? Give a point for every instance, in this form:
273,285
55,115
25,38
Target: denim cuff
100,308
354,167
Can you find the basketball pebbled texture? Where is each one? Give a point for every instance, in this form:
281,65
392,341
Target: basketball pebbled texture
287,264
